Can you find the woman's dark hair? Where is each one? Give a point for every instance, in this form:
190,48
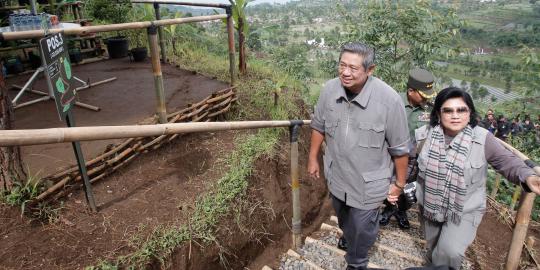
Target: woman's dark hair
448,93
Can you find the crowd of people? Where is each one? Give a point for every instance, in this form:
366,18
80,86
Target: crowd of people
379,145
502,128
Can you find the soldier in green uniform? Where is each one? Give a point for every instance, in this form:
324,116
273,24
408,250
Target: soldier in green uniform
418,106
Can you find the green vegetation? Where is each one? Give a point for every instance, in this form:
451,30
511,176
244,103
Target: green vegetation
208,55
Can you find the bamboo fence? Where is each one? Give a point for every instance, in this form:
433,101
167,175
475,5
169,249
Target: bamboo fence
116,156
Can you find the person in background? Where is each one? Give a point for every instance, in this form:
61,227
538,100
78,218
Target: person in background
452,175
503,128
489,122
528,126
363,121
516,127
418,106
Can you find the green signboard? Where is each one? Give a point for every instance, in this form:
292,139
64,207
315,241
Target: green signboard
58,70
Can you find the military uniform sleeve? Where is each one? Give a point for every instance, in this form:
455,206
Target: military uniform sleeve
317,121
505,162
397,130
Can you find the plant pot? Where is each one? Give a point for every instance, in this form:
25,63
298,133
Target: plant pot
75,55
139,54
118,47
13,65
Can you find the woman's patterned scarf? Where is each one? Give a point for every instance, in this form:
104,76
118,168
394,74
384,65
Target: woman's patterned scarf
445,187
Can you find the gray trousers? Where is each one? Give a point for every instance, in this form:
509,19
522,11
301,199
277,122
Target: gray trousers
360,228
447,242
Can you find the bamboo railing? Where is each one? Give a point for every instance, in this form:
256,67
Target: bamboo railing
121,154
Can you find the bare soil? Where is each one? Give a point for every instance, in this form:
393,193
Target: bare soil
160,188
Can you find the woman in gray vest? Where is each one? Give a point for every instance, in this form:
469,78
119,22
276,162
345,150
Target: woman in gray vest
452,175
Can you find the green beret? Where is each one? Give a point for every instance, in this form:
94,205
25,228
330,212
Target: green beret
422,81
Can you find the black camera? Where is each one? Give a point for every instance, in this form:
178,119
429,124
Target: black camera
409,192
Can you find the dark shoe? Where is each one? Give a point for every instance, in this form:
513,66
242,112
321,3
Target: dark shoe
402,219
386,215
342,243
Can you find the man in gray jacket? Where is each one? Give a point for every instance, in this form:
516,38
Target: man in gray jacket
363,122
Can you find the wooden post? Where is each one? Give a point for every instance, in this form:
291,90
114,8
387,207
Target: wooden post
11,163
230,35
160,34
522,217
515,197
158,76
496,184
295,187
520,231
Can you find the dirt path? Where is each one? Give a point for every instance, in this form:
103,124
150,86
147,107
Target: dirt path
127,100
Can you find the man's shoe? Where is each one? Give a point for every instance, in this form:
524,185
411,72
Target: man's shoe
386,215
402,219
342,243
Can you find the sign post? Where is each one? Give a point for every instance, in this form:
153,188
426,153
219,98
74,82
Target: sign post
60,81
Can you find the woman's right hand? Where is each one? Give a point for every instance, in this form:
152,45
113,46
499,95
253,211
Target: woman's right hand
533,182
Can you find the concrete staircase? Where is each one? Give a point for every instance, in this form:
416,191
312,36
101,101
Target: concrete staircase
394,248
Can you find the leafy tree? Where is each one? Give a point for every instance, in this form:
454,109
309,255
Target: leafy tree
242,28
292,58
110,11
403,33
464,85
508,84
482,92
474,85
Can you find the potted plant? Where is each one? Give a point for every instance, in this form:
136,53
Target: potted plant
142,13
116,12
140,52
75,55
13,64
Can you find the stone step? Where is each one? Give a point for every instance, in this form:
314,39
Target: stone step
399,246
266,267
390,258
294,261
325,256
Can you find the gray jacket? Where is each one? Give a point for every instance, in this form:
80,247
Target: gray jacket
484,150
361,137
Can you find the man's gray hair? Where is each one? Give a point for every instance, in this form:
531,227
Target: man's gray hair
361,49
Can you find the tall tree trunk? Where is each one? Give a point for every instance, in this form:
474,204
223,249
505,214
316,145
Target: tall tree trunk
11,165
242,66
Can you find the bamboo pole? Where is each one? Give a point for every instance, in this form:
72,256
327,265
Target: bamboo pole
85,30
183,3
160,34
294,131
161,109
230,36
515,197
522,217
60,135
496,186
